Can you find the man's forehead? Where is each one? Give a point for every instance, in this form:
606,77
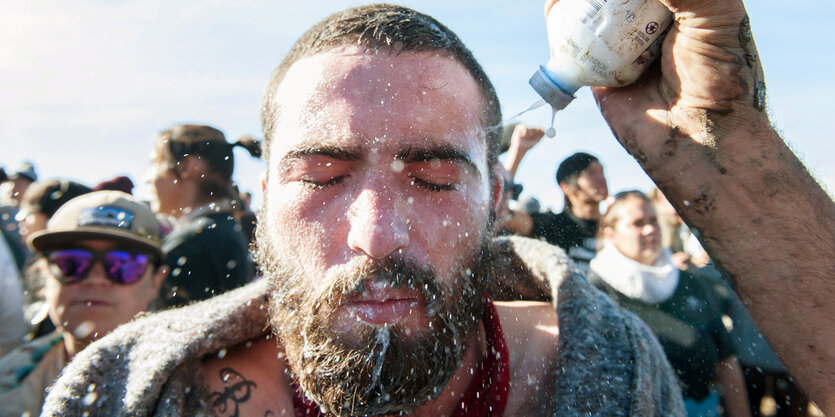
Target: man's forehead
347,96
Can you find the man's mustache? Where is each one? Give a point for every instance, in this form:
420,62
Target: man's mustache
396,272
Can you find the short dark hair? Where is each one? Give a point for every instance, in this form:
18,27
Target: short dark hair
395,29
571,168
46,197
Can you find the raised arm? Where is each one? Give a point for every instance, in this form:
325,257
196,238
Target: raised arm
522,140
696,124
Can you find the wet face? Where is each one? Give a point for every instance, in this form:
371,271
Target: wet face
93,307
636,233
591,183
377,205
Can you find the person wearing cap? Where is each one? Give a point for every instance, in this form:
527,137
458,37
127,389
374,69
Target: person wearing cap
581,179
191,181
101,255
38,205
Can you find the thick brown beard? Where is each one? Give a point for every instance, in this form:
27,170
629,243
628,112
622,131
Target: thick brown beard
382,370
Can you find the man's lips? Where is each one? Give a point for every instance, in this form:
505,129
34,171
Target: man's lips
385,312
380,304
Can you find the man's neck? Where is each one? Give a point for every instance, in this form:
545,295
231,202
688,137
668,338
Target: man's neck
450,398
586,210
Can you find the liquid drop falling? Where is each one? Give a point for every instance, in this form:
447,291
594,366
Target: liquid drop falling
551,132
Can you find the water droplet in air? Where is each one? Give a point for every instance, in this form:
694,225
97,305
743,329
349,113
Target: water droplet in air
551,132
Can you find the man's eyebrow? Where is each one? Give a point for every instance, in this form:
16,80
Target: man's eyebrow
334,152
439,152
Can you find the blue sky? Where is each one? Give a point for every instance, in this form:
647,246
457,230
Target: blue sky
87,84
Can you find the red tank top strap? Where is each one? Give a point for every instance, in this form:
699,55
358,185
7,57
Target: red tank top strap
487,393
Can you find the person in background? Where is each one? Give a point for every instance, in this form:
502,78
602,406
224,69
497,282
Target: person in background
102,260
581,179
675,235
38,205
684,311
12,189
191,181
42,200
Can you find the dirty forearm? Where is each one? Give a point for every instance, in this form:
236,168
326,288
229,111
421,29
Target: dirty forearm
769,224
707,142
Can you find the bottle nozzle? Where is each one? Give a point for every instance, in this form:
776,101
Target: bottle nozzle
549,90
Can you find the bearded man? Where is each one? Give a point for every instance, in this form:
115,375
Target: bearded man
375,242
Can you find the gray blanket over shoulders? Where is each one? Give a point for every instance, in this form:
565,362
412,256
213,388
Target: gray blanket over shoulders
610,364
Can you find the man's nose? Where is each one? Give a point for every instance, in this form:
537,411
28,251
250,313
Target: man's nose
96,275
378,222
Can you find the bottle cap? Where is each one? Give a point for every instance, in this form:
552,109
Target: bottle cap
549,90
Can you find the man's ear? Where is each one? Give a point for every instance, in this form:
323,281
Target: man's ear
263,179
567,188
498,189
608,233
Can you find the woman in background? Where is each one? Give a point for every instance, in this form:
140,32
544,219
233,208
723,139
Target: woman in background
191,181
684,311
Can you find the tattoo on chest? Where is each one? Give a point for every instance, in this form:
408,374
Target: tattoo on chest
237,390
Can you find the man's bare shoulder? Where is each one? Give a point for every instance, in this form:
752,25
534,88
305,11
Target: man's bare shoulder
531,331
249,379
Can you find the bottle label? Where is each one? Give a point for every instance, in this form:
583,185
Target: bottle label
611,42
593,7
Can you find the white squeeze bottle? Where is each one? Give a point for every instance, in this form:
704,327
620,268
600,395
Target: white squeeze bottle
606,43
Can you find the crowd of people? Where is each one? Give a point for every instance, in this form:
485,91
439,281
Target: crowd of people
397,268
80,260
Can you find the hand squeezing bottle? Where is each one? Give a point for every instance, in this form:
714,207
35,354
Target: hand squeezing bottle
606,43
